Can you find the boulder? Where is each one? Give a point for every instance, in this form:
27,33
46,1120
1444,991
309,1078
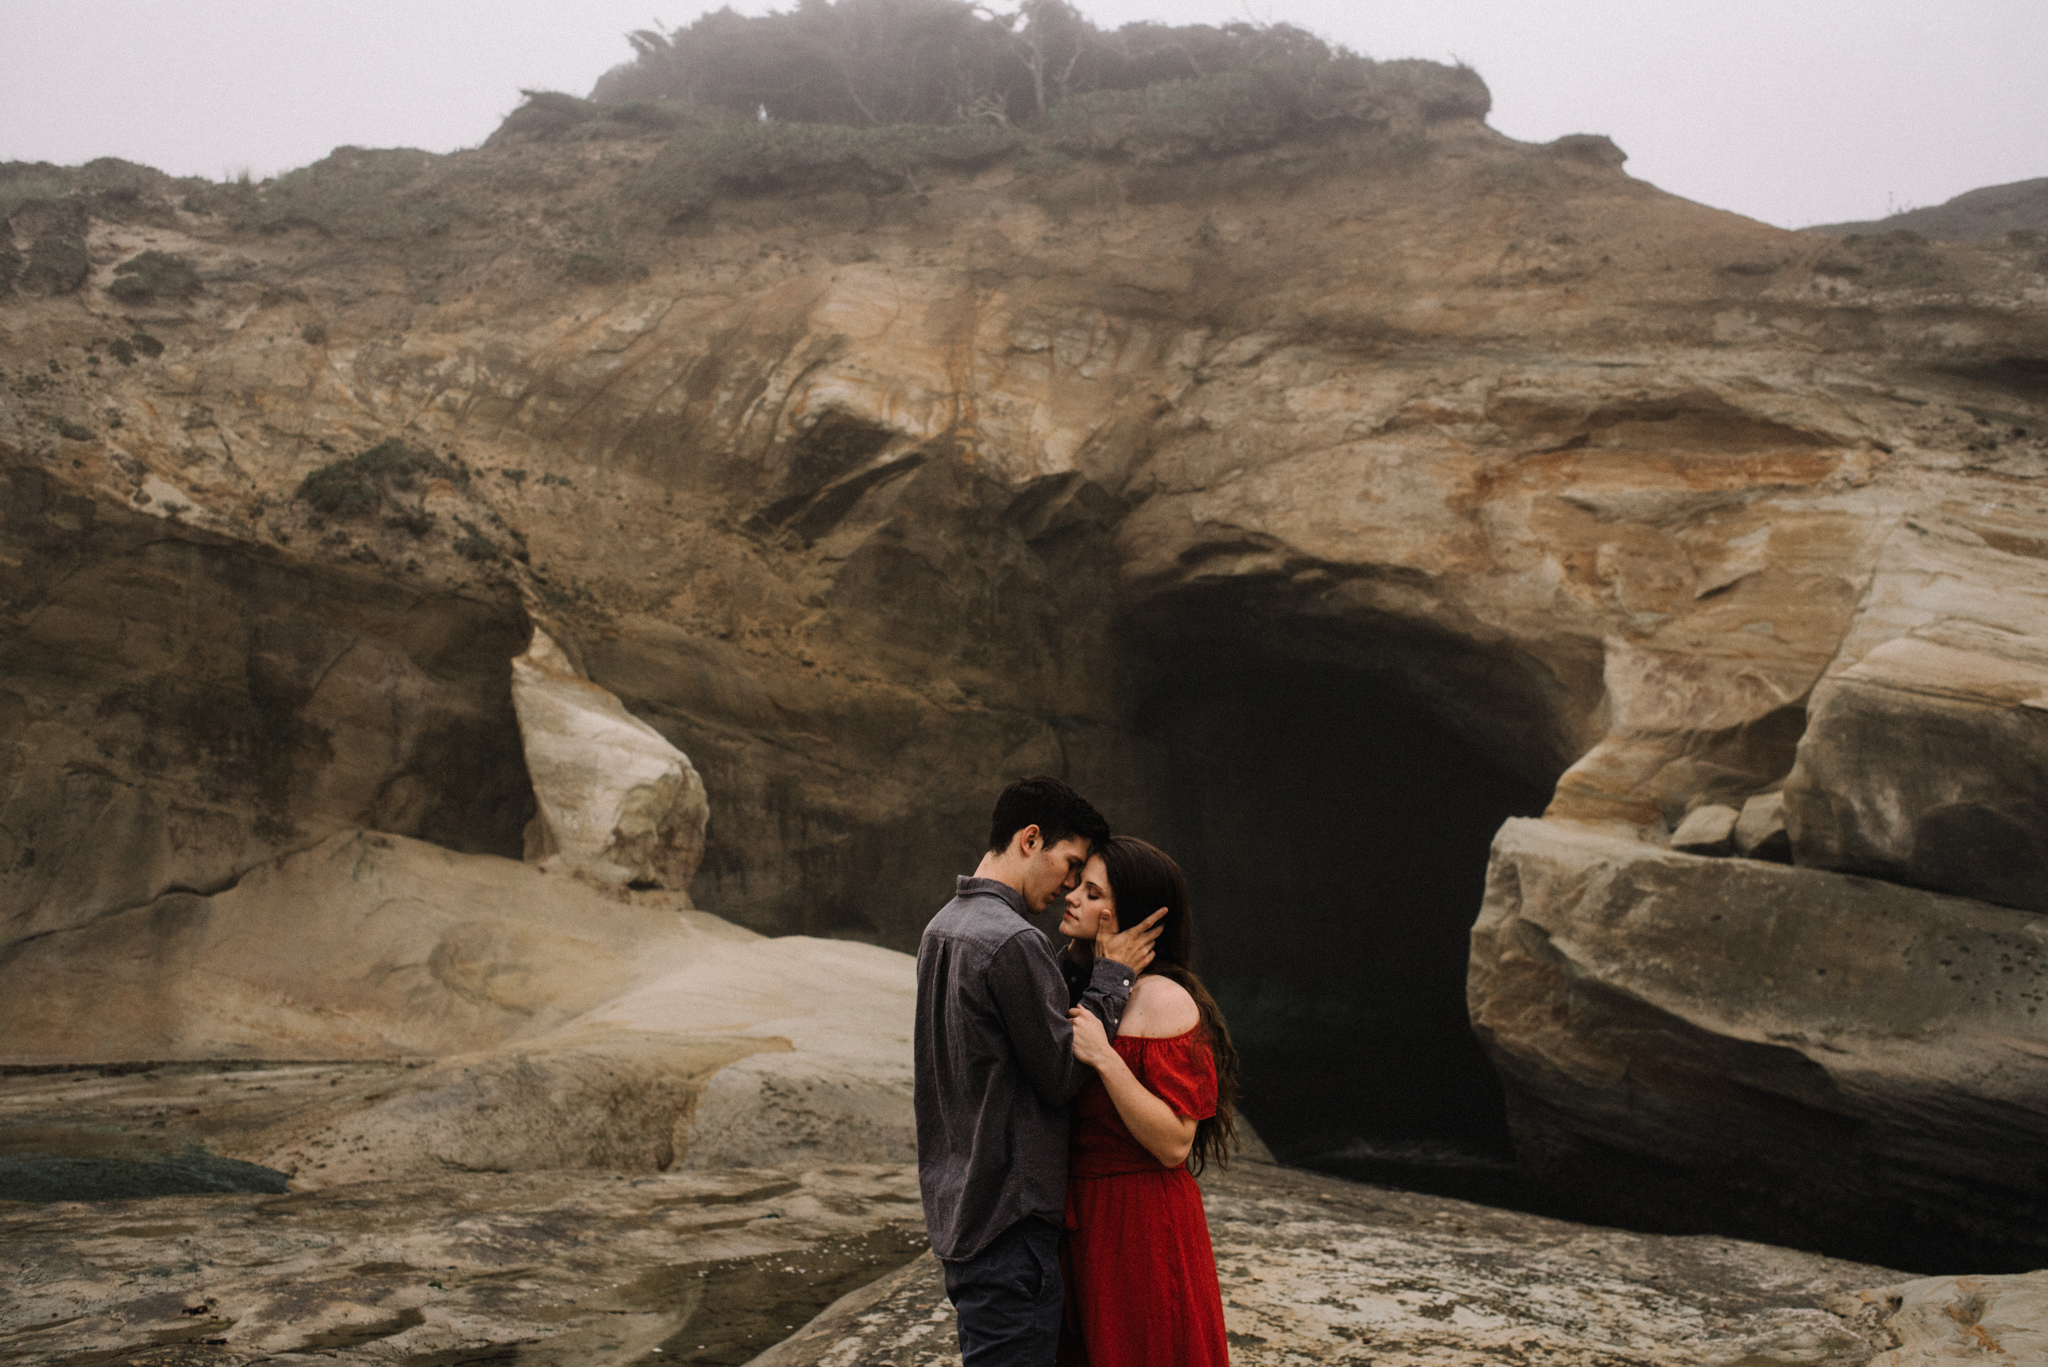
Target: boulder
1706,830
617,802
1760,830
1783,1052
1924,762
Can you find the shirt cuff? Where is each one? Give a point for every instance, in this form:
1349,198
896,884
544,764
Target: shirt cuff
1119,976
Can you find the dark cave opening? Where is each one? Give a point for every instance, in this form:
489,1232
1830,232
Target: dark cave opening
1335,835
1336,830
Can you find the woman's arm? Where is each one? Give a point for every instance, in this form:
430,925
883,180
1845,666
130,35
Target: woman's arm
1167,1136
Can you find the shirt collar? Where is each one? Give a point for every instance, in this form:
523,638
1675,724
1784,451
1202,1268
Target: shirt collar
992,887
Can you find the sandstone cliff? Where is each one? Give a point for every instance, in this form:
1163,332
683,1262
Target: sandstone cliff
864,481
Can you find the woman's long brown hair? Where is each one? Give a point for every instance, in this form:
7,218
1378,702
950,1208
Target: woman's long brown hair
1142,879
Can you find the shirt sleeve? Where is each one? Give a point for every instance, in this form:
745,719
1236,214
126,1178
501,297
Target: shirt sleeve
1107,992
1182,1073
1024,981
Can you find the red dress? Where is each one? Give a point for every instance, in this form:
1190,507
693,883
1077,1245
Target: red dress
1140,1274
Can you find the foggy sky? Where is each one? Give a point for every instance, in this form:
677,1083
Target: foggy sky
1791,111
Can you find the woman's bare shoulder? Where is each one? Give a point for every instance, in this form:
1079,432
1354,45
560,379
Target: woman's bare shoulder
1160,1008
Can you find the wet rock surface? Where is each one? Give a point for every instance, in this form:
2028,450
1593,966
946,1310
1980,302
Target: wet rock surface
730,1266
555,1268
1320,1270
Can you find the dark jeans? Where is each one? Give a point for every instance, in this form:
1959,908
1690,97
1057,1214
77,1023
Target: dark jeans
1009,1297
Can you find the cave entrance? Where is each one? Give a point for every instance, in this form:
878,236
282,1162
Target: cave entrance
1335,836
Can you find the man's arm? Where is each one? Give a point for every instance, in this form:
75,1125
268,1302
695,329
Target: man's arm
1028,991
1120,956
1109,988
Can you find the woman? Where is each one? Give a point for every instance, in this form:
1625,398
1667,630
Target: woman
1140,1274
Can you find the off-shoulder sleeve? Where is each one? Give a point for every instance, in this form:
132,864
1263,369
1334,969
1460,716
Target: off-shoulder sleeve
1182,1073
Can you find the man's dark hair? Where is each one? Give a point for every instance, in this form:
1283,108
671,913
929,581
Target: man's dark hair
1057,810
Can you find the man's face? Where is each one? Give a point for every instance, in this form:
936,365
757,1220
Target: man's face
1051,870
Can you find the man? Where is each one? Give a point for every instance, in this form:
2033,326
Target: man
996,1070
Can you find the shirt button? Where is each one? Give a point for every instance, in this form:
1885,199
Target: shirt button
1127,982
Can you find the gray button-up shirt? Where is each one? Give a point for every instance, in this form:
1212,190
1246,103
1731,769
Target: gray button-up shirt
995,1067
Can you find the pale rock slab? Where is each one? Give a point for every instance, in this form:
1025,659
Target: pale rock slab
554,1024
365,946
1706,830
618,803
1760,830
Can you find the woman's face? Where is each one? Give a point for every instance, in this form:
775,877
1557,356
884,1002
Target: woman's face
1091,908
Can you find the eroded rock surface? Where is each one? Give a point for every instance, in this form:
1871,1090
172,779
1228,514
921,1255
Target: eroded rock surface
180,709
1922,763
834,488
1317,1270
565,1268
1688,1040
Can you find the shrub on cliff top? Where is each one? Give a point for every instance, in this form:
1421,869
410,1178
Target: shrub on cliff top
548,115
861,93
19,185
869,63
54,265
